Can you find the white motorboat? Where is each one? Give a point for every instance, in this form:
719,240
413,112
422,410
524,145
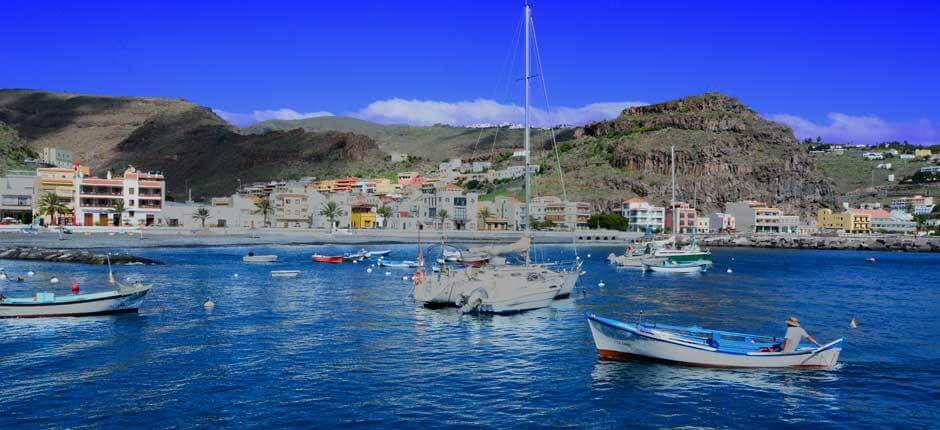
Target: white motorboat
252,258
617,340
284,273
382,253
397,264
43,304
664,265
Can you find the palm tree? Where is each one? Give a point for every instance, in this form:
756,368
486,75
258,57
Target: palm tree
265,209
202,214
332,211
119,210
51,204
442,216
385,212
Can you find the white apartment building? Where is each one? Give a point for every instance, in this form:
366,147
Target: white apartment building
142,194
17,189
642,216
57,157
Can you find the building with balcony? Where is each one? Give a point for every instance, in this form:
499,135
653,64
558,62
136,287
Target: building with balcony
61,182
686,216
755,217
57,157
142,195
363,216
719,222
853,221
564,214
642,216
17,191
291,208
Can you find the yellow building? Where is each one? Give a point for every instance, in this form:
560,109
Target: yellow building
384,186
61,182
922,153
362,216
324,186
849,222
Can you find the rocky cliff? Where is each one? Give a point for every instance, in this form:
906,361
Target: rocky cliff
724,152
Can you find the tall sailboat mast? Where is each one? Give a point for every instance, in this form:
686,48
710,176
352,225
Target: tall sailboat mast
675,217
528,18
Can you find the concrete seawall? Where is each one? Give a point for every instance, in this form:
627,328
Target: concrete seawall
863,243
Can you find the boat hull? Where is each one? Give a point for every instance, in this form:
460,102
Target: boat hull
677,268
327,259
259,258
621,341
115,304
571,279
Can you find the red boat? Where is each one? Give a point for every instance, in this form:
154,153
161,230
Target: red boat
473,262
317,258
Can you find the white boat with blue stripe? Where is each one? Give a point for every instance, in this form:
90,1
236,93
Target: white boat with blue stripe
616,340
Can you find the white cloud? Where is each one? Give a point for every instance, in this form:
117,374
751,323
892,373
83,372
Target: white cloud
864,129
245,119
480,111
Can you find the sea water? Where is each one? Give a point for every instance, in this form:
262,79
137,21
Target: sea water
338,346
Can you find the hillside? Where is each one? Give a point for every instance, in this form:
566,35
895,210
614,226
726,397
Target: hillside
89,125
190,144
435,143
724,152
199,150
13,149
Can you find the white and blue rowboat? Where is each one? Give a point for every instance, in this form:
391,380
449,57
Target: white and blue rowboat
123,300
617,340
398,264
669,266
358,256
382,253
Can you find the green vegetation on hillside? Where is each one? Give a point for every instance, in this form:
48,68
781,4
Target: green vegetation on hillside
13,149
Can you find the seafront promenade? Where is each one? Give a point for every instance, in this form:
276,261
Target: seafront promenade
157,237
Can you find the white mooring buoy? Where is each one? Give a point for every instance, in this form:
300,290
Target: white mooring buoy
208,303
601,284
369,270
729,270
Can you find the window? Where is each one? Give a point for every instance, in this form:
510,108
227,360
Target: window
132,203
130,191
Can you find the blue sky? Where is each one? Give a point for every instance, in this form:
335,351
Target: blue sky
852,71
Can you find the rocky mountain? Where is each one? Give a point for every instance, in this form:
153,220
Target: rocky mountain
194,147
724,152
434,143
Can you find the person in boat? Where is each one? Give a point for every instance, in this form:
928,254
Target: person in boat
795,335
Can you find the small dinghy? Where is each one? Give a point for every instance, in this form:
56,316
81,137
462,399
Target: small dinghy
382,253
334,259
398,264
43,304
689,346
356,256
474,259
669,266
284,273
252,258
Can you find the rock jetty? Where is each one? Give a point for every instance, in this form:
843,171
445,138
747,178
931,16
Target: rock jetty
70,256
887,243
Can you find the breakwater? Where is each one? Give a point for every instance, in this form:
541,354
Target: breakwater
70,256
861,243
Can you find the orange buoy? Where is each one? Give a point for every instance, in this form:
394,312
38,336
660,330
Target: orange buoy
74,287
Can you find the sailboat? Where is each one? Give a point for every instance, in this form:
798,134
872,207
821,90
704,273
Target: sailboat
688,259
498,287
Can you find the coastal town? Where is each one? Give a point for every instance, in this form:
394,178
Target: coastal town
63,193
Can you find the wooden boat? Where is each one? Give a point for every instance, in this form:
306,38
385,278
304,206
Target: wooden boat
701,347
251,258
122,300
397,264
317,258
669,266
284,273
